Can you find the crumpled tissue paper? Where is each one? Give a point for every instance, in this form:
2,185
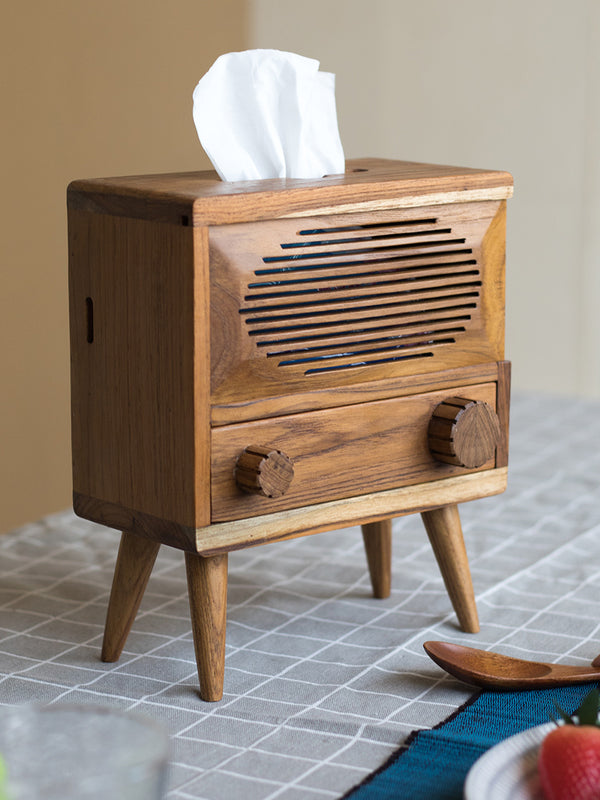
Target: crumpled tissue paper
268,114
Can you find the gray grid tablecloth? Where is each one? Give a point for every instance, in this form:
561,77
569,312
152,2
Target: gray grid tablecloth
322,681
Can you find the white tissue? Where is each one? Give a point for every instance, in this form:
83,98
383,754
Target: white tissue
268,114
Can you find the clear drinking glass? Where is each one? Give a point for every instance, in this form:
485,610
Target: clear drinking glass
72,752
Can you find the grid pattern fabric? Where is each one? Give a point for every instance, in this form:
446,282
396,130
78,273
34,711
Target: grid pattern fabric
322,682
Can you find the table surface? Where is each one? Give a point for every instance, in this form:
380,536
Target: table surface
322,681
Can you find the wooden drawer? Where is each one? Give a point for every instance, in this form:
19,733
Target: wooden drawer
338,452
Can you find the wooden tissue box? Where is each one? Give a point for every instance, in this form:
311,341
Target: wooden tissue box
259,360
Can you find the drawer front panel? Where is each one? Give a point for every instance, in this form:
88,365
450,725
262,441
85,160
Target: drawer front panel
337,453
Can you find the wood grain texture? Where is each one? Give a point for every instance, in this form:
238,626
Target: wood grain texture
499,672
445,535
264,471
391,291
135,561
332,515
410,201
353,394
464,432
376,311
207,590
139,403
234,535
169,197
377,538
336,452
503,411
147,526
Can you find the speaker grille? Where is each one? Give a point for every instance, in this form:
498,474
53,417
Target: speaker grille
336,298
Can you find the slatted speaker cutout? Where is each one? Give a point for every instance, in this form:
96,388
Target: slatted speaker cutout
336,298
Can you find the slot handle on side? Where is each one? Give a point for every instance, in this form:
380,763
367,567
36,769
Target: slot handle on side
89,316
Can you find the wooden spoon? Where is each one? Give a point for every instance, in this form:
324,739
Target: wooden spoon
495,671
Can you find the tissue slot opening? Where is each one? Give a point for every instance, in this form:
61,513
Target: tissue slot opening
375,327
360,251
396,342
369,308
418,269
342,264
375,237
372,284
368,351
360,297
372,362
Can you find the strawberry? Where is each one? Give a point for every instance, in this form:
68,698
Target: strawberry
569,757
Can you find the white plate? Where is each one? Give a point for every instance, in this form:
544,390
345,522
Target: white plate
509,770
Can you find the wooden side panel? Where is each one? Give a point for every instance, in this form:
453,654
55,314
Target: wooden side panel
337,453
201,393
137,313
503,408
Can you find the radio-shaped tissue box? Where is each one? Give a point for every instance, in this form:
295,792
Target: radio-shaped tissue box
255,361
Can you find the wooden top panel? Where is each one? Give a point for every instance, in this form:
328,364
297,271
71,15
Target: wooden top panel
201,198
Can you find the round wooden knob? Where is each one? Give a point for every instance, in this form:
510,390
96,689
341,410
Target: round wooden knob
463,432
263,470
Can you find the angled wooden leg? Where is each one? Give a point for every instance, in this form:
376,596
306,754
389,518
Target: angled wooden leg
377,537
207,589
446,537
135,561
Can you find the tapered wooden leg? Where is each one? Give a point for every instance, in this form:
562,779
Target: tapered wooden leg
135,561
377,537
446,537
207,589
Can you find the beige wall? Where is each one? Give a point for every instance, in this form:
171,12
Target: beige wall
92,89
105,88
511,85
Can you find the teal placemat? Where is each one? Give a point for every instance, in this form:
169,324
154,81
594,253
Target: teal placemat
435,764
